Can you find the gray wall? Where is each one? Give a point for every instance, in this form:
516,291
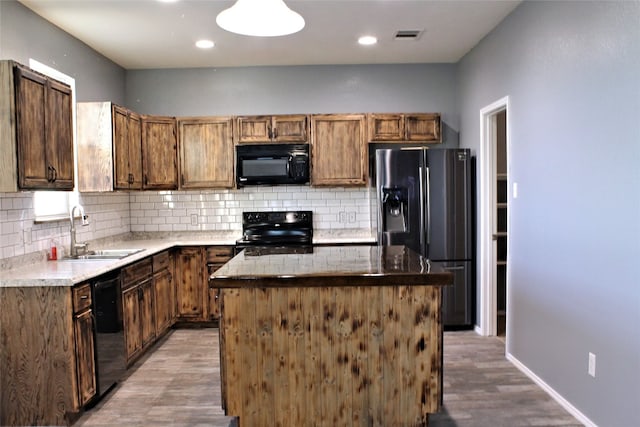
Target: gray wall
300,89
571,71
25,35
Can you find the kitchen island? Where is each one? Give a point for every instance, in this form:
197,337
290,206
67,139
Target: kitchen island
345,335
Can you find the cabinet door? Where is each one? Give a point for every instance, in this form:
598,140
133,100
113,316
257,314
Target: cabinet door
253,129
131,318
134,138
290,128
206,152
191,286
423,127
386,127
85,356
123,177
165,301
147,311
44,132
159,153
33,170
59,132
338,149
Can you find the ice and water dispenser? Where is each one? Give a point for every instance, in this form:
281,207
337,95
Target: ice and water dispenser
394,209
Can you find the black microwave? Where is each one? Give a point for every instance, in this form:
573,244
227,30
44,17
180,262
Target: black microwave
272,164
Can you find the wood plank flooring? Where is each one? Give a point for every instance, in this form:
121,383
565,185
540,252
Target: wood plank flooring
178,384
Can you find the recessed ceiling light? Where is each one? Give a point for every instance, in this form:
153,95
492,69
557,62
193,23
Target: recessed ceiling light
168,1
205,44
367,40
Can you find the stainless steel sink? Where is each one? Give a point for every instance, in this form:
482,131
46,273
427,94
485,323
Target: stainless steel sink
104,254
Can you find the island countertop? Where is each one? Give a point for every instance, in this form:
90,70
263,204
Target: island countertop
331,266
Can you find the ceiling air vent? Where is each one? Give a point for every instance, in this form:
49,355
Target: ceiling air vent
407,35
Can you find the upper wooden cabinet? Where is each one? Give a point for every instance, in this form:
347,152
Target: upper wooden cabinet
127,149
206,152
159,153
109,147
280,128
415,127
36,131
338,149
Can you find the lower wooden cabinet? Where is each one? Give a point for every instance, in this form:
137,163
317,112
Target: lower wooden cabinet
217,256
138,308
47,368
83,327
84,337
191,286
165,301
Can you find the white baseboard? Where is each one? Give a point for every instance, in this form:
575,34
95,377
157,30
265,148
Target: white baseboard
478,330
551,392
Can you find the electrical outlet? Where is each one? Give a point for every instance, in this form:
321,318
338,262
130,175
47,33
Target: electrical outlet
592,364
352,217
342,217
194,219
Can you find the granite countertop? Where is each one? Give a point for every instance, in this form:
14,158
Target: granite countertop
70,272
332,266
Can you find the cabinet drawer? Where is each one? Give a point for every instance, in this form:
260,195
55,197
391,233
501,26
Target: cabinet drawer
219,254
161,261
136,272
81,297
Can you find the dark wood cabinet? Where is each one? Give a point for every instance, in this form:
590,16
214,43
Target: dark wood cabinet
83,331
191,285
394,127
127,149
217,256
338,149
138,308
272,129
164,292
159,153
206,152
37,131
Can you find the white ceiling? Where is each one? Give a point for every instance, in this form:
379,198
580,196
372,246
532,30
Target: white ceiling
141,34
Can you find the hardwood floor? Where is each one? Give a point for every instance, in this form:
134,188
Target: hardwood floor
178,384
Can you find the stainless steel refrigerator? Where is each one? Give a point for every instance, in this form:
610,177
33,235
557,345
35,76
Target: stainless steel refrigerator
424,201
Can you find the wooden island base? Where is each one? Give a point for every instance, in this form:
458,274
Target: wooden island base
331,356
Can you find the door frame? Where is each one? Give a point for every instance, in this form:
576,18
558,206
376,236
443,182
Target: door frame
488,217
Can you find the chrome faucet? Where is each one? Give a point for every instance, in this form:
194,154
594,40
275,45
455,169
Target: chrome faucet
85,221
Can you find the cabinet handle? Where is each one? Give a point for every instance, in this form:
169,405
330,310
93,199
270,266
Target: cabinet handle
275,133
130,178
55,174
269,133
145,180
84,297
49,173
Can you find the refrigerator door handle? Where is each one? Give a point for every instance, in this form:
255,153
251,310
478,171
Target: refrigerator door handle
423,244
428,185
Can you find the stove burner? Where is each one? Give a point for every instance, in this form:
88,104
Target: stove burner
277,250
277,228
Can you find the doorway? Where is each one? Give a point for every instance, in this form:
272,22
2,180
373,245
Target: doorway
494,219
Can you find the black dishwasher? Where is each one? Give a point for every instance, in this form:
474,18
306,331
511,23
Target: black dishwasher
110,346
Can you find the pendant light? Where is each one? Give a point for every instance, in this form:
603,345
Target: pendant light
261,18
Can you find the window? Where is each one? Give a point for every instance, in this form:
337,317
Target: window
55,205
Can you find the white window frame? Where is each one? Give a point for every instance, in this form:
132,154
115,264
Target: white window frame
56,205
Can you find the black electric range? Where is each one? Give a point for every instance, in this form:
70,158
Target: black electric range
276,232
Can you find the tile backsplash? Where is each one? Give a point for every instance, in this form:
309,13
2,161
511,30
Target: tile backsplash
111,214
21,235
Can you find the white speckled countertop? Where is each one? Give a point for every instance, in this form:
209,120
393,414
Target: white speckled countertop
70,272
